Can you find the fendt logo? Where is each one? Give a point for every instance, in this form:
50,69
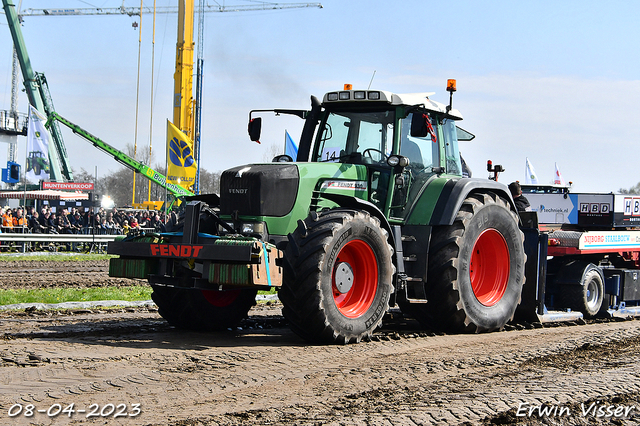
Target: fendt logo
175,250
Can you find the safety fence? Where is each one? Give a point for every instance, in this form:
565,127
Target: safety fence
55,242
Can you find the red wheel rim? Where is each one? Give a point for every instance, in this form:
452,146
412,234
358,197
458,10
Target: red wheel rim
360,258
220,299
489,269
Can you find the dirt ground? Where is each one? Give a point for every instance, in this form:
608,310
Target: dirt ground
127,366
42,274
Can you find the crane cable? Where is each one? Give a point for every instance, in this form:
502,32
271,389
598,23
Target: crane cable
153,53
135,140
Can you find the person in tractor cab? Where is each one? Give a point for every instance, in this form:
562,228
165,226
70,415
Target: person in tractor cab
521,202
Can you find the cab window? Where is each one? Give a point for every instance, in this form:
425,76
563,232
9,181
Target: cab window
359,138
452,155
423,153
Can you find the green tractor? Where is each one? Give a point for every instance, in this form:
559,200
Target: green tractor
38,162
375,212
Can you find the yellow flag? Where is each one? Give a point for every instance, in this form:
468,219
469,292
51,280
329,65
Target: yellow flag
182,164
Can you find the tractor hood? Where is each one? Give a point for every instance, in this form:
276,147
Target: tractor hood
259,189
281,193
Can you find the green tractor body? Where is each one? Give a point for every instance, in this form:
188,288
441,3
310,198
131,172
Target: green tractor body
37,162
375,211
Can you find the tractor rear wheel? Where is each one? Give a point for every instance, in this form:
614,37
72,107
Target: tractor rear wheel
203,310
337,277
475,269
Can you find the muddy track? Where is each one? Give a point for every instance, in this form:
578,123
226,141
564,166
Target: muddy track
261,373
43,274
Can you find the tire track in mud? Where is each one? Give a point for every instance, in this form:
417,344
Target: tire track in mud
21,274
268,376
263,374
483,390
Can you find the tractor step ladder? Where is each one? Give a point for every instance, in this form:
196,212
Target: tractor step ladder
415,283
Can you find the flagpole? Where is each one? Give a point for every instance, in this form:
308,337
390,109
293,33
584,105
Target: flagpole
26,156
166,173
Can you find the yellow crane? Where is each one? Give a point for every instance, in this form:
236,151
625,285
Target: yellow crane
183,77
183,100
184,103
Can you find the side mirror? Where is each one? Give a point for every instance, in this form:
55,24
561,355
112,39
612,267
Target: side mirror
255,128
419,128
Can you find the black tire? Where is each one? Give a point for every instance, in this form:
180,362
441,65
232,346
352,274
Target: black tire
203,310
337,277
36,169
589,295
475,269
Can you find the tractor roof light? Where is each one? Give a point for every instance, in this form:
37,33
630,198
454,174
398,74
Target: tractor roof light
332,96
451,87
374,96
344,96
359,95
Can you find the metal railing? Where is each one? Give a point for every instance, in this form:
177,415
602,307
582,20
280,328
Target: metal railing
13,124
53,242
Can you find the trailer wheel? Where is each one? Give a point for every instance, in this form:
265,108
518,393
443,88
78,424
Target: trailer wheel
203,310
475,268
588,296
337,277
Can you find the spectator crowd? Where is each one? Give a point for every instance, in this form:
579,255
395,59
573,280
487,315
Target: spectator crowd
82,221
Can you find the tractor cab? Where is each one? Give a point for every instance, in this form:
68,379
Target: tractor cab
396,143
402,140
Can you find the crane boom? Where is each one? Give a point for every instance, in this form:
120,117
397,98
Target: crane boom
135,11
120,156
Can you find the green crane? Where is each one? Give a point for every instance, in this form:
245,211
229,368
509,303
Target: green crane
38,93
120,156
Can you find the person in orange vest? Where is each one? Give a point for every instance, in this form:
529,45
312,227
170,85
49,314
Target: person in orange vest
19,221
7,220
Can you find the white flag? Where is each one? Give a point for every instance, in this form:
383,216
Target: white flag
557,180
530,174
38,139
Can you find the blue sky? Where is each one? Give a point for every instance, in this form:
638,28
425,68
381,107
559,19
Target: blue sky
554,81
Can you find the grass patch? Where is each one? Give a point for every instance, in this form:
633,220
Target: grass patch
75,257
60,295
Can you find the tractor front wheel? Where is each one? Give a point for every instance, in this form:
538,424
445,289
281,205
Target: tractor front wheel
337,277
